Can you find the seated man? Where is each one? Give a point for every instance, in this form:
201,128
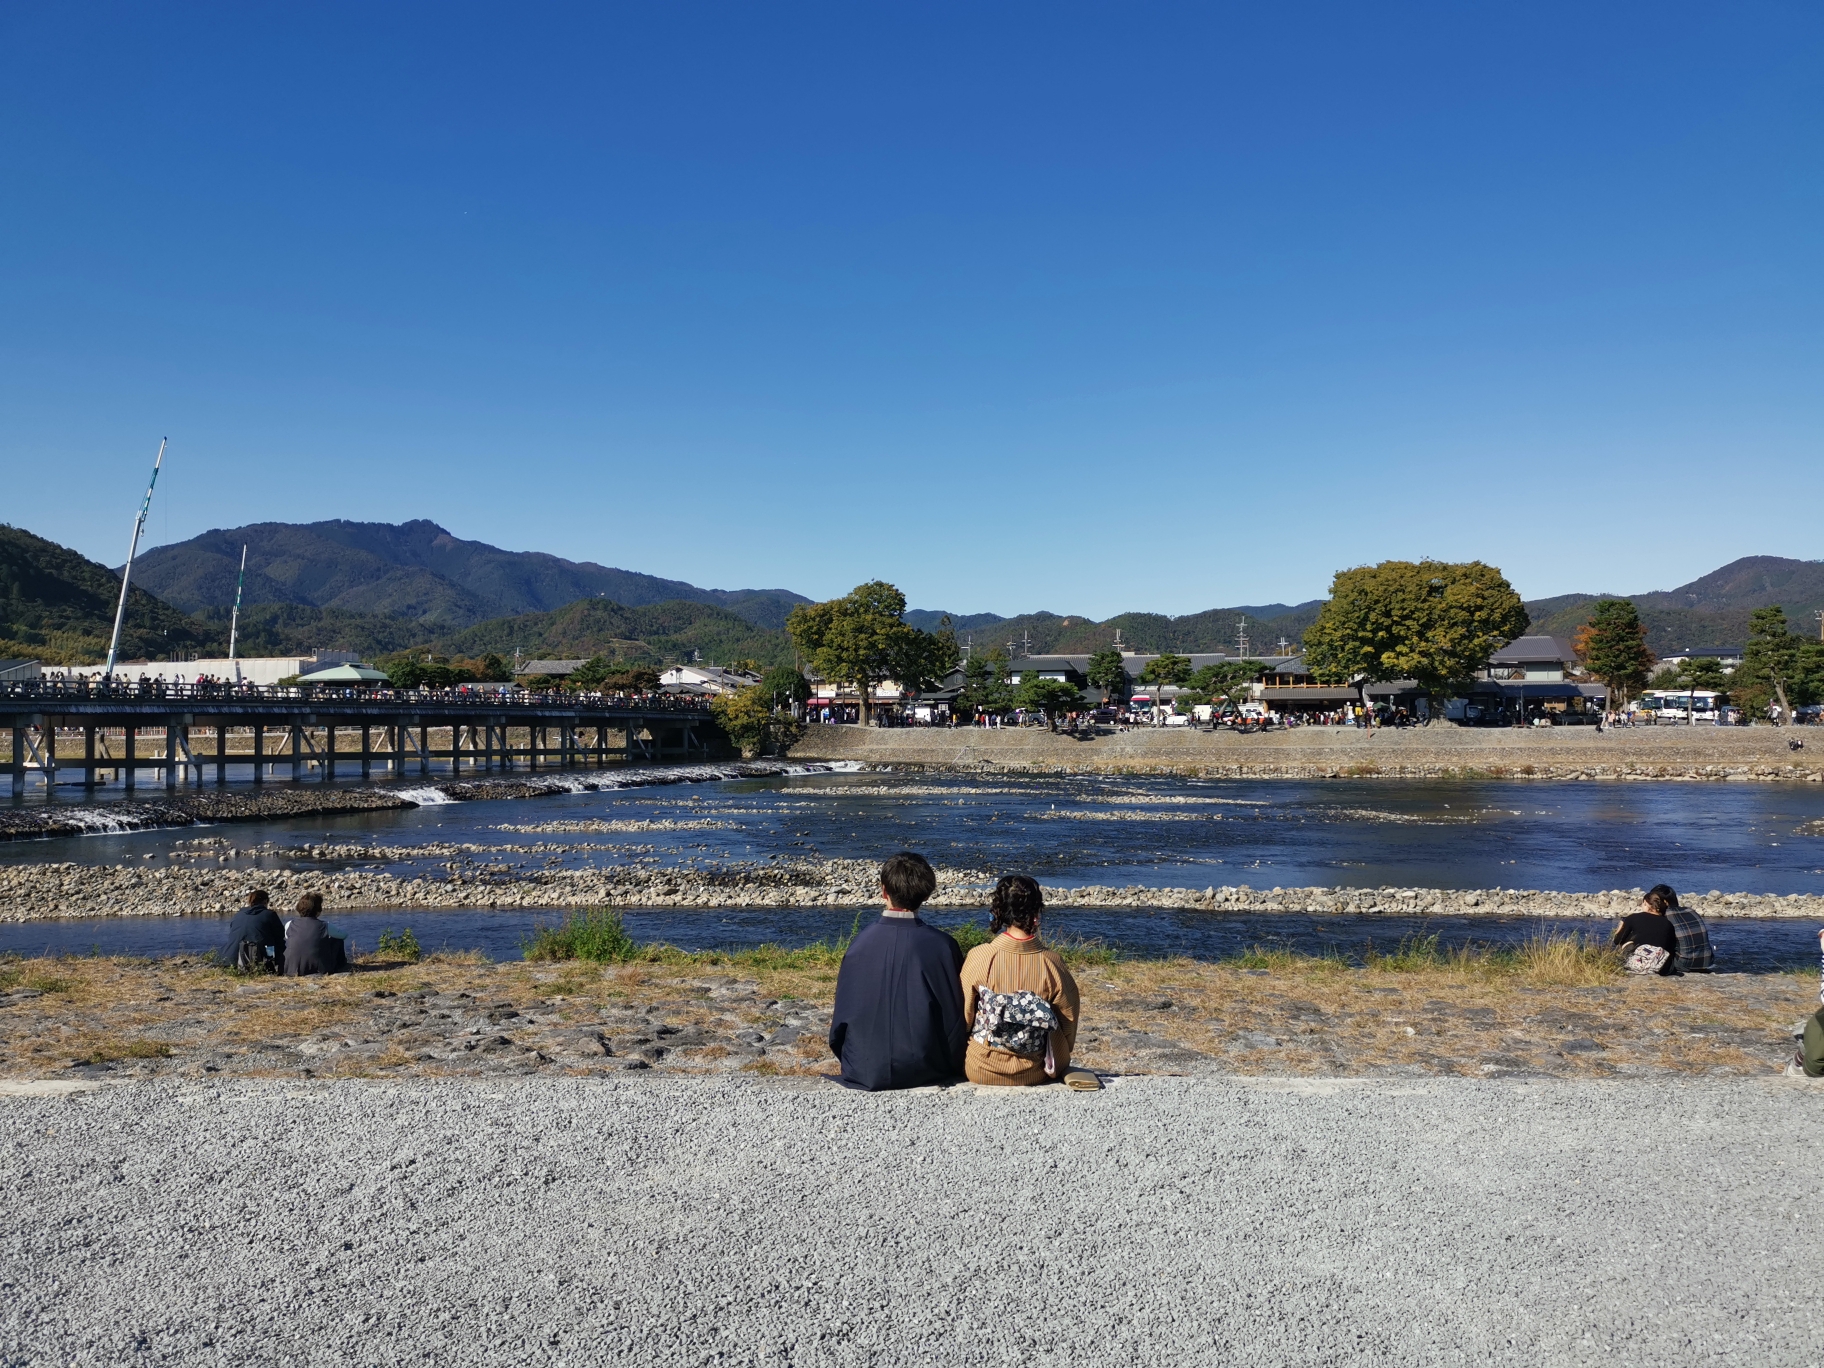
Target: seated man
898,1021
309,948
1694,955
256,937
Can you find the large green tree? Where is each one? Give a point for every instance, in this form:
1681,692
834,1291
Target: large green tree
785,686
1613,647
1166,668
1434,622
1221,679
862,639
1053,697
1108,672
986,684
1777,666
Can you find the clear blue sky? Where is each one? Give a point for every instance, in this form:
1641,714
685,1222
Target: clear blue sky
1087,308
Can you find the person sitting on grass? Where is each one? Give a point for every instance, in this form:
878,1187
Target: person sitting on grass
256,937
1809,1061
1694,955
309,946
1648,937
898,1018
1019,1000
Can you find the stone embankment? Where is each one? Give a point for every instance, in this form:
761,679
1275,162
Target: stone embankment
1440,751
30,892
204,807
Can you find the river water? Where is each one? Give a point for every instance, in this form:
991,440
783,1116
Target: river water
1574,837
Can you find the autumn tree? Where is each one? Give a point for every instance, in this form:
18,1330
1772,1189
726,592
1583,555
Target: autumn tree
862,639
1433,622
1613,646
745,716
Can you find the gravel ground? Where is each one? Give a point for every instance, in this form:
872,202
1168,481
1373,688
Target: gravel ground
667,1221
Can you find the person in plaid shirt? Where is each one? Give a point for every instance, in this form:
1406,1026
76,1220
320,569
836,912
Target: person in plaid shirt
1694,955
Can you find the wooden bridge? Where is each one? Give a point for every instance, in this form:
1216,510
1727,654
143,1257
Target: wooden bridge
330,732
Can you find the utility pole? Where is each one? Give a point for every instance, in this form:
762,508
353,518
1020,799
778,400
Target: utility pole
1819,615
1241,637
126,574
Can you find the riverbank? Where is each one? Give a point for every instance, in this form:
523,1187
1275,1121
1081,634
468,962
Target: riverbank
1555,1013
1440,751
270,802
175,887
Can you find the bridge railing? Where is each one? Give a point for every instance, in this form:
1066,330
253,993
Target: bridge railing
159,691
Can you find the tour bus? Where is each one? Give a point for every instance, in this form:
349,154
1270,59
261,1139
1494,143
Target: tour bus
1681,705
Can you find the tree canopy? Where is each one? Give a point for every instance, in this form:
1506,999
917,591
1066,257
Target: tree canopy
1777,666
1053,697
746,716
1613,646
986,684
1166,668
785,684
1433,622
862,639
1108,672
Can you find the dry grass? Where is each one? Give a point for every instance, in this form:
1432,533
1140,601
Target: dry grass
1417,1009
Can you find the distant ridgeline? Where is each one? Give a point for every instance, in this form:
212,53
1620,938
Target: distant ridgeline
378,589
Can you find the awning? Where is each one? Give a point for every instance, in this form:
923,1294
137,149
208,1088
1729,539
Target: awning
1291,694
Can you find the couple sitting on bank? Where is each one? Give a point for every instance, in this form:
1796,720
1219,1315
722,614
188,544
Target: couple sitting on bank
912,1010
259,943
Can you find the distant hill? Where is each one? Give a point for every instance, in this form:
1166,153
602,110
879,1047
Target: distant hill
1211,630
1710,611
650,634
57,606
414,571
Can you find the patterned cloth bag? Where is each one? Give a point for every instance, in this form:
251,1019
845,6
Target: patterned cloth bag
1647,959
1019,1023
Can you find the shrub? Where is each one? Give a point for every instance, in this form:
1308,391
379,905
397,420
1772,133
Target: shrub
595,934
403,946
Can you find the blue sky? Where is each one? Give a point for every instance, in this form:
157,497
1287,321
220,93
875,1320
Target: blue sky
1080,307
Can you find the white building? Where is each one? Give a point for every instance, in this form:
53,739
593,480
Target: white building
709,679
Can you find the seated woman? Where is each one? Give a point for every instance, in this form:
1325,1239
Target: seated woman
1019,1000
1647,937
309,946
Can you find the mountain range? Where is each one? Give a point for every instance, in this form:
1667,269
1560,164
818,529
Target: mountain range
380,588
416,571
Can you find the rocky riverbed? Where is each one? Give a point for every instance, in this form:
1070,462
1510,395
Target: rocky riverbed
477,877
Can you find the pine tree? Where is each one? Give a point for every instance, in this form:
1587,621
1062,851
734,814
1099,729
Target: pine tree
1613,647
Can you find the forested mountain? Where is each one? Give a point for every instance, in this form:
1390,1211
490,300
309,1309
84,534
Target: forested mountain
57,606
1710,611
650,634
414,571
1214,629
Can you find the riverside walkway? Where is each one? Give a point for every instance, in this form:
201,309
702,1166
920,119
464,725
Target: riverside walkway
320,729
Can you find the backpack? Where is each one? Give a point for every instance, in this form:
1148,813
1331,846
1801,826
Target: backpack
1647,959
253,958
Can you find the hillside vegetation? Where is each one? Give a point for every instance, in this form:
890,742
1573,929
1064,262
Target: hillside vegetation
57,606
414,571
646,635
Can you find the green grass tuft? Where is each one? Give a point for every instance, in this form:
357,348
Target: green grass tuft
402,946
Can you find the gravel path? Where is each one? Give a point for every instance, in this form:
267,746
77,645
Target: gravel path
668,1221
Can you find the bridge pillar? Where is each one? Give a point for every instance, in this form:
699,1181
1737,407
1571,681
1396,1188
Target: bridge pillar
221,750
259,752
367,750
329,752
130,775
18,760
49,732
88,756
170,756
424,749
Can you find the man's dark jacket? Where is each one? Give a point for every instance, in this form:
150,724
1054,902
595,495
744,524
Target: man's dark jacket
898,1021
255,926
310,949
